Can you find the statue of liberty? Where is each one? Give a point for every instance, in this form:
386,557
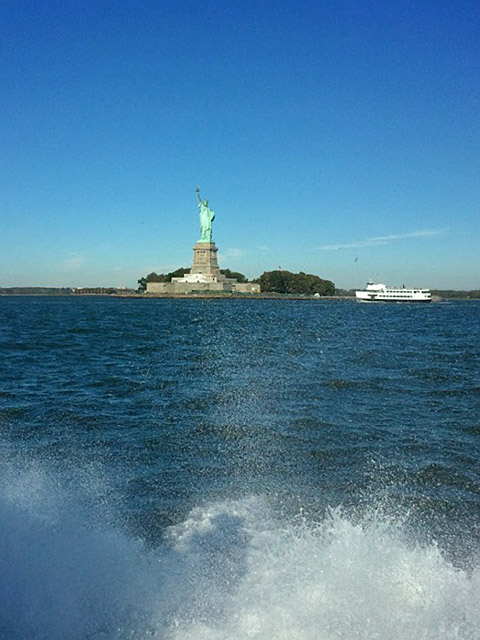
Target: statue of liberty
206,218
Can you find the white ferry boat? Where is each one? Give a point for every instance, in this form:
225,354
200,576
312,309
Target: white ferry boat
382,293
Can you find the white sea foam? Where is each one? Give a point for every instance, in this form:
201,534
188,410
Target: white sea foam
229,571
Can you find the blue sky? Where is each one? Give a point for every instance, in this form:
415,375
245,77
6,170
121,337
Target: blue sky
339,138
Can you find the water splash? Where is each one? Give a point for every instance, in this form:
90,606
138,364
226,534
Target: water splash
230,570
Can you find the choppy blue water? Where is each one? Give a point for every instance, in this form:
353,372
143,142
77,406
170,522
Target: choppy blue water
233,469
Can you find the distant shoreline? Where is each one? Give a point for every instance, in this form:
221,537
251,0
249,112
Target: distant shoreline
180,296
205,296
131,293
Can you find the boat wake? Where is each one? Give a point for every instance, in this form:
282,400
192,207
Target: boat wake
230,570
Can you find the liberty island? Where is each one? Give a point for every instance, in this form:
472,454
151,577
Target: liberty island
204,274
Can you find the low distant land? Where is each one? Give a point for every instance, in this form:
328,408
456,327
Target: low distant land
340,294
278,284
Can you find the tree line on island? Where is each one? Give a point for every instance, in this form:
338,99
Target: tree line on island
179,273
279,281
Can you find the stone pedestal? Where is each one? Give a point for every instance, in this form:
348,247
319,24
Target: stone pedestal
205,259
204,276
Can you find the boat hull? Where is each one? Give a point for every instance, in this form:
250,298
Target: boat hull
390,300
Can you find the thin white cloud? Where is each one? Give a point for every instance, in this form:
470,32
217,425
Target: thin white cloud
73,263
426,233
382,240
231,253
351,245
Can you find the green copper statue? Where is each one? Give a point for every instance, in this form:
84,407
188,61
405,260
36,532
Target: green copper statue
206,219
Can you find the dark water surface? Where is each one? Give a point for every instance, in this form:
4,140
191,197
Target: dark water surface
239,469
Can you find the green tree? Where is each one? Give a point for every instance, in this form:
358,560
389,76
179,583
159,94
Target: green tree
287,282
178,273
240,277
156,277
160,277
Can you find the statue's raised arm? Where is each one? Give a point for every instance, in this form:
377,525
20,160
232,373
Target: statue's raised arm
198,195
